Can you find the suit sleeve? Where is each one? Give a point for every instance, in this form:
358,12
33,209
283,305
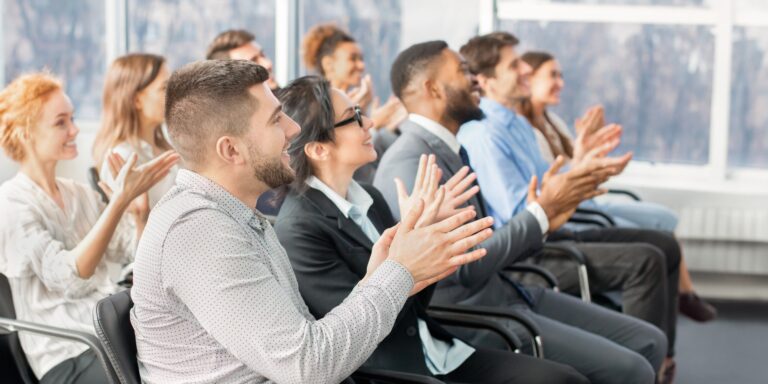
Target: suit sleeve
510,243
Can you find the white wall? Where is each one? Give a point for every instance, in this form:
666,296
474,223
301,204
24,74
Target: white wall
454,21
74,169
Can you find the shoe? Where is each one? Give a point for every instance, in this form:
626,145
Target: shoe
697,309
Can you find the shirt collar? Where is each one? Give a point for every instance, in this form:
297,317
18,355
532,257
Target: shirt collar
243,214
356,196
438,130
495,111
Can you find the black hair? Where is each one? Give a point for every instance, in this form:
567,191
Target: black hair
413,61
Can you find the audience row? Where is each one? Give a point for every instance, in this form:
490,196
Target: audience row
461,174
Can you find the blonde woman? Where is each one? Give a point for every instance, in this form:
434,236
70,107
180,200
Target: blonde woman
133,113
58,241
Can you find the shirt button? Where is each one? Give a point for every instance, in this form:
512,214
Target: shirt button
411,331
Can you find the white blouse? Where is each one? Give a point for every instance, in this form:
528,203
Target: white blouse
36,237
145,154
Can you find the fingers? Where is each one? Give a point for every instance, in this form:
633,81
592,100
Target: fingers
466,231
454,221
411,218
532,195
465,183
457,177
402,192
127,167
432,210
555,167
434,180
420,173
464,197
468,257
107,190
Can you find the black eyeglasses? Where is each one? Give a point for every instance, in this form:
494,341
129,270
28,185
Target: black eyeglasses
357,117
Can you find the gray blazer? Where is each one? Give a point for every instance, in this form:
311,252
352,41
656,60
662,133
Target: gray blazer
477,283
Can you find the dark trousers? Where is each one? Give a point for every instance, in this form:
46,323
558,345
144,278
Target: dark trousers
82,369
494,366
643,264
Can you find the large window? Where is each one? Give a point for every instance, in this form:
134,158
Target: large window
748,139
654,80
182,30
686,78
64,37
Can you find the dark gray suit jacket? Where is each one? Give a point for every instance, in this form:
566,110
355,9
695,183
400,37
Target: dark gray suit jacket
478,283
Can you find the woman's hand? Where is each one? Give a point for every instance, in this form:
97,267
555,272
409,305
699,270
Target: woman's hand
362,95
131,181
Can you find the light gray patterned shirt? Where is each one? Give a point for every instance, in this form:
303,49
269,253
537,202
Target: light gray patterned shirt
216,300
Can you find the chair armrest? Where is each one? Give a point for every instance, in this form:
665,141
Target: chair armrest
624,192
592,216
570,251
392,377
546,275
504,313
88,339
467,320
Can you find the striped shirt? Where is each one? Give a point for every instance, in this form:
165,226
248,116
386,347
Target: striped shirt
216,300
36,237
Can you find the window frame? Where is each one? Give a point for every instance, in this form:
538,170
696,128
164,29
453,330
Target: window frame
721,16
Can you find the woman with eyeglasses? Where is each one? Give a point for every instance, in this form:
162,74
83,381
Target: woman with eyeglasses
58,241
334,54
329,223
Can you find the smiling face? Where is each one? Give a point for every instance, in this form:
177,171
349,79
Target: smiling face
511,79
352,145
53,137
267,139
461,90
547,83
345,66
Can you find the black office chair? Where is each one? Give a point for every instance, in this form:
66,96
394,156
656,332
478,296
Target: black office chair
113,327
13,361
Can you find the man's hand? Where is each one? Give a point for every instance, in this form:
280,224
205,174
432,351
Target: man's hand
561,193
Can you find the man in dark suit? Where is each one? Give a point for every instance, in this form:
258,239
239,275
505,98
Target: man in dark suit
439,92
332,228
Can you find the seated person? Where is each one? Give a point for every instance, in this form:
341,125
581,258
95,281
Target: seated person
501,148
332,53
58,241
239,44
132,115
215,298
554,139
329,224
438,90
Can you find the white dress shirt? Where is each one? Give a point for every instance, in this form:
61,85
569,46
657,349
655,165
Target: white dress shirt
36,237
144,154
440,357
216,300
452,142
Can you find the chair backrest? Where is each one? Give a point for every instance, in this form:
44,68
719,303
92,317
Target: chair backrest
93,179
112,321
14,367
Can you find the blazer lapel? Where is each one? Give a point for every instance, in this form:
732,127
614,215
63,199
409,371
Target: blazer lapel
330,210
449,161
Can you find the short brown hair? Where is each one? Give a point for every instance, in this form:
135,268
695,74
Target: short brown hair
207,99
227,41
21,104
484,52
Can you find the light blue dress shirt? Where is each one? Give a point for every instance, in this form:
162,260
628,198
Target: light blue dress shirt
504,153
441,358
